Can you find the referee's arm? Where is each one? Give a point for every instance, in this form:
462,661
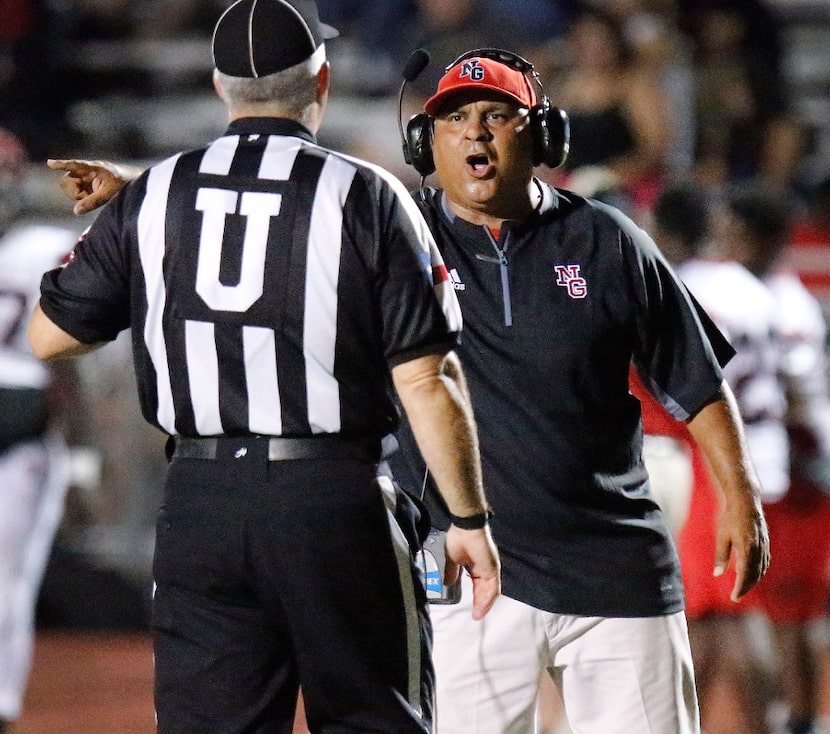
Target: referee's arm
49,341
434,395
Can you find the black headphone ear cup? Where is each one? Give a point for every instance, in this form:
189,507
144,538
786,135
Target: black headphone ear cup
418,148
551,135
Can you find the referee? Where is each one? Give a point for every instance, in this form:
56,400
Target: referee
272,287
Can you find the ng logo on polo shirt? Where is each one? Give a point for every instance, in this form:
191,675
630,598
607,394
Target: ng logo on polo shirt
568,277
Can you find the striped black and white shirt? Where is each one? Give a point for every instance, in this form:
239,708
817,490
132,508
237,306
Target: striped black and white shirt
269,282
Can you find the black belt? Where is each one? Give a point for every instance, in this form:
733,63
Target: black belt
277,448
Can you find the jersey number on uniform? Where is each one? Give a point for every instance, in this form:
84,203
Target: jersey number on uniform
258,208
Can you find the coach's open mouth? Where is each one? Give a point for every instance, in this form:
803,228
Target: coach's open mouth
478,165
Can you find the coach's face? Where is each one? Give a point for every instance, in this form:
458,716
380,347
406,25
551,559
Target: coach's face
483,153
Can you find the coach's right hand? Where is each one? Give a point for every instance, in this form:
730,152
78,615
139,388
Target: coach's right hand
475,551
92,183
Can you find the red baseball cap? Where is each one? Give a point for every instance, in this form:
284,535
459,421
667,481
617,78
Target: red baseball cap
482,73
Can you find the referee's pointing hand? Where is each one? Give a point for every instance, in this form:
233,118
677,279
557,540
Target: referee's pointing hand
92,183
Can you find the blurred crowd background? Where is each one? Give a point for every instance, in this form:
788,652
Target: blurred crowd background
744,82
715,91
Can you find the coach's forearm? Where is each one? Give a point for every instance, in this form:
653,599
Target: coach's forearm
718,430
434,395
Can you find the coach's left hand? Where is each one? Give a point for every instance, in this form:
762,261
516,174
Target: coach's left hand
476,551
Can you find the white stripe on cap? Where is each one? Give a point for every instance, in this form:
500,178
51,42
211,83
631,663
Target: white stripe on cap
302,21
291,9
216,28
251,40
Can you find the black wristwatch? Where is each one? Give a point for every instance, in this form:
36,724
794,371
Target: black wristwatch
472,522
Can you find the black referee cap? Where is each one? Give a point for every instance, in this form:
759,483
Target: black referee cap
254,38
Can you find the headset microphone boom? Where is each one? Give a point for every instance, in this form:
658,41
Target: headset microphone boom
418,61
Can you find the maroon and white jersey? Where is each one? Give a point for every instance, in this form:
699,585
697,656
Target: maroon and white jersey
26,252
802,335
34,466
745,310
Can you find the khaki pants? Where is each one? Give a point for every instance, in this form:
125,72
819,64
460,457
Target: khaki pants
615,675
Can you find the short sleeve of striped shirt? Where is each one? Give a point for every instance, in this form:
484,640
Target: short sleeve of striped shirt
420,311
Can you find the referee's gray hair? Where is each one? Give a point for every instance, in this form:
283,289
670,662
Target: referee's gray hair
293,89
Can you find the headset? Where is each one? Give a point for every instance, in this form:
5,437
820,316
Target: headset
549,125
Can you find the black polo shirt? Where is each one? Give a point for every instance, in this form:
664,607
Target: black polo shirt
555,311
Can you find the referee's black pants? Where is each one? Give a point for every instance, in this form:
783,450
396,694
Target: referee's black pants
272,575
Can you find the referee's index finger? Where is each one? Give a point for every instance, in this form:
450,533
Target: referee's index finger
70,165
58,164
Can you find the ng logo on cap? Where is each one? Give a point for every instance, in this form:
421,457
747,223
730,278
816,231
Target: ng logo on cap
473,69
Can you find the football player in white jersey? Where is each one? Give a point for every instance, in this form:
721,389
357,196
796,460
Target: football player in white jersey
794,596
744,309
34,465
